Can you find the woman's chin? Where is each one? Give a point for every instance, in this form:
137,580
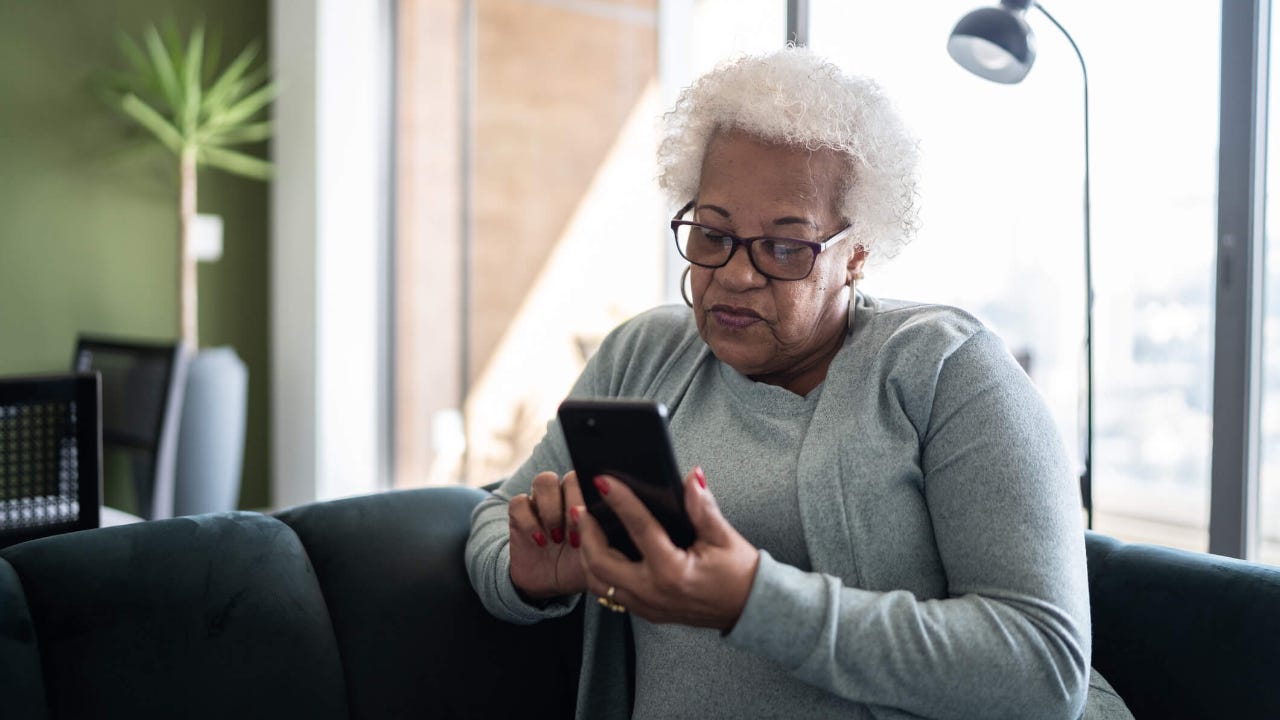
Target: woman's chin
743,356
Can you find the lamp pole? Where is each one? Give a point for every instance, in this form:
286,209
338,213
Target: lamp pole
1086,475
798,22
996,44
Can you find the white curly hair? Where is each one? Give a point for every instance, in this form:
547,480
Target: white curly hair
795,97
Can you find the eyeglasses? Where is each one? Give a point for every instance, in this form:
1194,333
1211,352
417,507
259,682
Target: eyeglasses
773,257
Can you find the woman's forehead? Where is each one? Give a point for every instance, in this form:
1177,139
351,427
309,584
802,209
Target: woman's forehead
742,167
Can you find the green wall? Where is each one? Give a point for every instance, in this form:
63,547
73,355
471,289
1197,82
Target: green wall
88,218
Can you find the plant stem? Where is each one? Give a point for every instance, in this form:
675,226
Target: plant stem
186,257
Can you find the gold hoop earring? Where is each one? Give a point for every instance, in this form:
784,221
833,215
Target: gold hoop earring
684,277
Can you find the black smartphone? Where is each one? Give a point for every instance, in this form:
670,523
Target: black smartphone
628,440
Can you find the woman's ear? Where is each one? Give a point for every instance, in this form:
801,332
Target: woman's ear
856,262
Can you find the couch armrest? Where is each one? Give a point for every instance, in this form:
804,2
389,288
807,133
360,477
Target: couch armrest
1182,634
414,638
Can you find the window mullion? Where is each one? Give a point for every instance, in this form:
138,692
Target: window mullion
1238,305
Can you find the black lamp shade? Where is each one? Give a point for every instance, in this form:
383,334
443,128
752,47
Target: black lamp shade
994,43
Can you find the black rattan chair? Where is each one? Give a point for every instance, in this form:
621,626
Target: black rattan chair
50,456
142,389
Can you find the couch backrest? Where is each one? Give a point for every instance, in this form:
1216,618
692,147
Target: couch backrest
213,616
1185,635
356,608
414,638
362,608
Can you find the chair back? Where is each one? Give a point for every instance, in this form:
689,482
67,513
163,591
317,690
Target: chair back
142,388
50,456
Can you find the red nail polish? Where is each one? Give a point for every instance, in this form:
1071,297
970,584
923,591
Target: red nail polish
557,535
573,513
574,540
539,538
701,476
601,484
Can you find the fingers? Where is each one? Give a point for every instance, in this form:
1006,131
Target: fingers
572,494
524,523
603,565
645,530
704,513
548,505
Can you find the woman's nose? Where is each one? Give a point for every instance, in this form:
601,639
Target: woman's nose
739,274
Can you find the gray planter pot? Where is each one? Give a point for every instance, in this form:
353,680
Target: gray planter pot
211,435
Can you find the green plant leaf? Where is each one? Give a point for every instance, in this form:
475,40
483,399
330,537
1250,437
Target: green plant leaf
227,81
244,109
152,120
173,43
167,93
115,82
237,162
141,76
191,80
254,132
212,55
162,66
241,88
134,54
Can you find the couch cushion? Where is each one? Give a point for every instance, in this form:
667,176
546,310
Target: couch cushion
1182,634
20,683
415,640
208,617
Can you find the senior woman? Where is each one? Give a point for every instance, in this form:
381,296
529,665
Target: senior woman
886,522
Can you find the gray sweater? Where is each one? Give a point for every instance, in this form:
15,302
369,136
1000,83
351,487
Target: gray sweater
939,514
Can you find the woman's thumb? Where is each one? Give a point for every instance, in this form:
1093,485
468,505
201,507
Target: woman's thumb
704,513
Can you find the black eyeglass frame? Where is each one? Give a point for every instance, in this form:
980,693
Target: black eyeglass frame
815,247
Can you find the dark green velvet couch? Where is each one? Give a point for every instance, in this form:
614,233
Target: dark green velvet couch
361,608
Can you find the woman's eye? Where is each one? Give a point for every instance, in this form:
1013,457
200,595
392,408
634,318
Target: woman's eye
780,250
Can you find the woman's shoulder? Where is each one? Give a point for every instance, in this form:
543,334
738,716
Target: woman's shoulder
920,352
645,347
899,324
652,332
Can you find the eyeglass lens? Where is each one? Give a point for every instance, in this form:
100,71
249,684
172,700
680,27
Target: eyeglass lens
780,258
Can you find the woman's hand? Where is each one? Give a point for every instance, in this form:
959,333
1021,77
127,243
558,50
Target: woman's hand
545,560
705,585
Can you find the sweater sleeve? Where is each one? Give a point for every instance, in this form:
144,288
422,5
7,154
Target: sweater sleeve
619,368
488,547
1010,638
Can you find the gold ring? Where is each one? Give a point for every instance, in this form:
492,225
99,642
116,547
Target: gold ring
607,602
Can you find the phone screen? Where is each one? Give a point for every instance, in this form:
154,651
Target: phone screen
627,439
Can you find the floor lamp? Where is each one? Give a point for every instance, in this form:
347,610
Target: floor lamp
996,43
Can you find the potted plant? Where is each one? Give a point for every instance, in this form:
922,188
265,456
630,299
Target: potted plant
175,91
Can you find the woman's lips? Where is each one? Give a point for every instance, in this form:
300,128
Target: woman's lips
735,317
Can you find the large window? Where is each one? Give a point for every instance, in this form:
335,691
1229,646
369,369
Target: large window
529,224
1002,225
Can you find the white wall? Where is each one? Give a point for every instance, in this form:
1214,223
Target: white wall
330,220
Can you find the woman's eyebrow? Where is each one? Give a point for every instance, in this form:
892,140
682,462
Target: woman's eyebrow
793,220
715,208
787,220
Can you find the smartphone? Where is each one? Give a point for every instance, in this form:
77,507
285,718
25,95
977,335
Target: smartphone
628,440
